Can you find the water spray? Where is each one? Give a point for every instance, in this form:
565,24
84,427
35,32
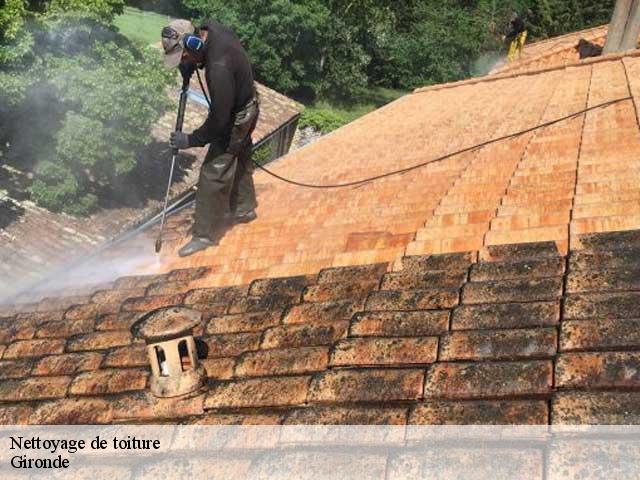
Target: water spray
182,104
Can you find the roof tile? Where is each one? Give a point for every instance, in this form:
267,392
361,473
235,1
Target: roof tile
242,322
109,381
141,406
596,408
68,364
618,258
287,287
117,321
480,413
347,416
34,388
499,344
15,369
506,291
538,268
432,299
245,419
99,341
400,324
453,261
73,411
385,351
545,186
129,356
145,304
262,392
282,362
15,414
231,344
322,312
219,368
33,348
304,334
598,370
599,305
208,296
489,380
14,329
604,334
260,304
65,328
327,292
521,251
434,279
350,274
599,281
366,386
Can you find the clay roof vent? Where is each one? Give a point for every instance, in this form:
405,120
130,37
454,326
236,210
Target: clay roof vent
168,333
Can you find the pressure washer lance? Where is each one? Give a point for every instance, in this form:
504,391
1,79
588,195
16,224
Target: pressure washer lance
184,93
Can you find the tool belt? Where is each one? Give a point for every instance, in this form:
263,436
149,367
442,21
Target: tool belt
244,123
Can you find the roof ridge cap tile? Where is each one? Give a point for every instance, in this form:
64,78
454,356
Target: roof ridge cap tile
567,35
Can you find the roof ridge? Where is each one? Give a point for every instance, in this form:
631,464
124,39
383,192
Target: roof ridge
555,49
492,78
567,35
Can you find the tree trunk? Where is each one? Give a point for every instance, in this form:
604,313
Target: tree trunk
630,38
617,26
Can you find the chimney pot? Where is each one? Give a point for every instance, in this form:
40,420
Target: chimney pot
168,333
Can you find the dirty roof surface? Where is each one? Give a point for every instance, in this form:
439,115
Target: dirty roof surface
480,289
34,241
522,335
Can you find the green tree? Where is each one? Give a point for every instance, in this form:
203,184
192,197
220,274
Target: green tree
557,17
87,101
103,11
296,46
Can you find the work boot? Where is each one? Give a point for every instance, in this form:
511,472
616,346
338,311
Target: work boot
245,217
196,244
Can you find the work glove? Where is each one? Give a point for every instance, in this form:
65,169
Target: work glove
179,140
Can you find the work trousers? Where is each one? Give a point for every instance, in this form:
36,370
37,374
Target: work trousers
225,188
517,45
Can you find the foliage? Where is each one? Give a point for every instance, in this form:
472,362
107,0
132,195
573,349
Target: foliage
78,107
297,46
103,11
15,43
326,116
263,154
554,17
323,120
334,48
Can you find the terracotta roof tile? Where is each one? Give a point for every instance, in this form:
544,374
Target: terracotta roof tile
480,413
335,361
486,288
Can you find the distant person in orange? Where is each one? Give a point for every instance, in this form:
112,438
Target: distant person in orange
516,37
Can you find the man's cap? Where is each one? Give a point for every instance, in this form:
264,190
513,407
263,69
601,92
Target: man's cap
172,41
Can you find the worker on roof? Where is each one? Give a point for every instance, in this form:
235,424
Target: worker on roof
225,192
516,37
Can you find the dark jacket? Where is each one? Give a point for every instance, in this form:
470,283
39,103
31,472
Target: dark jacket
229,79
516,27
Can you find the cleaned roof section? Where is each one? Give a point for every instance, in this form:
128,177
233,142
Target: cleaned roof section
552,184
